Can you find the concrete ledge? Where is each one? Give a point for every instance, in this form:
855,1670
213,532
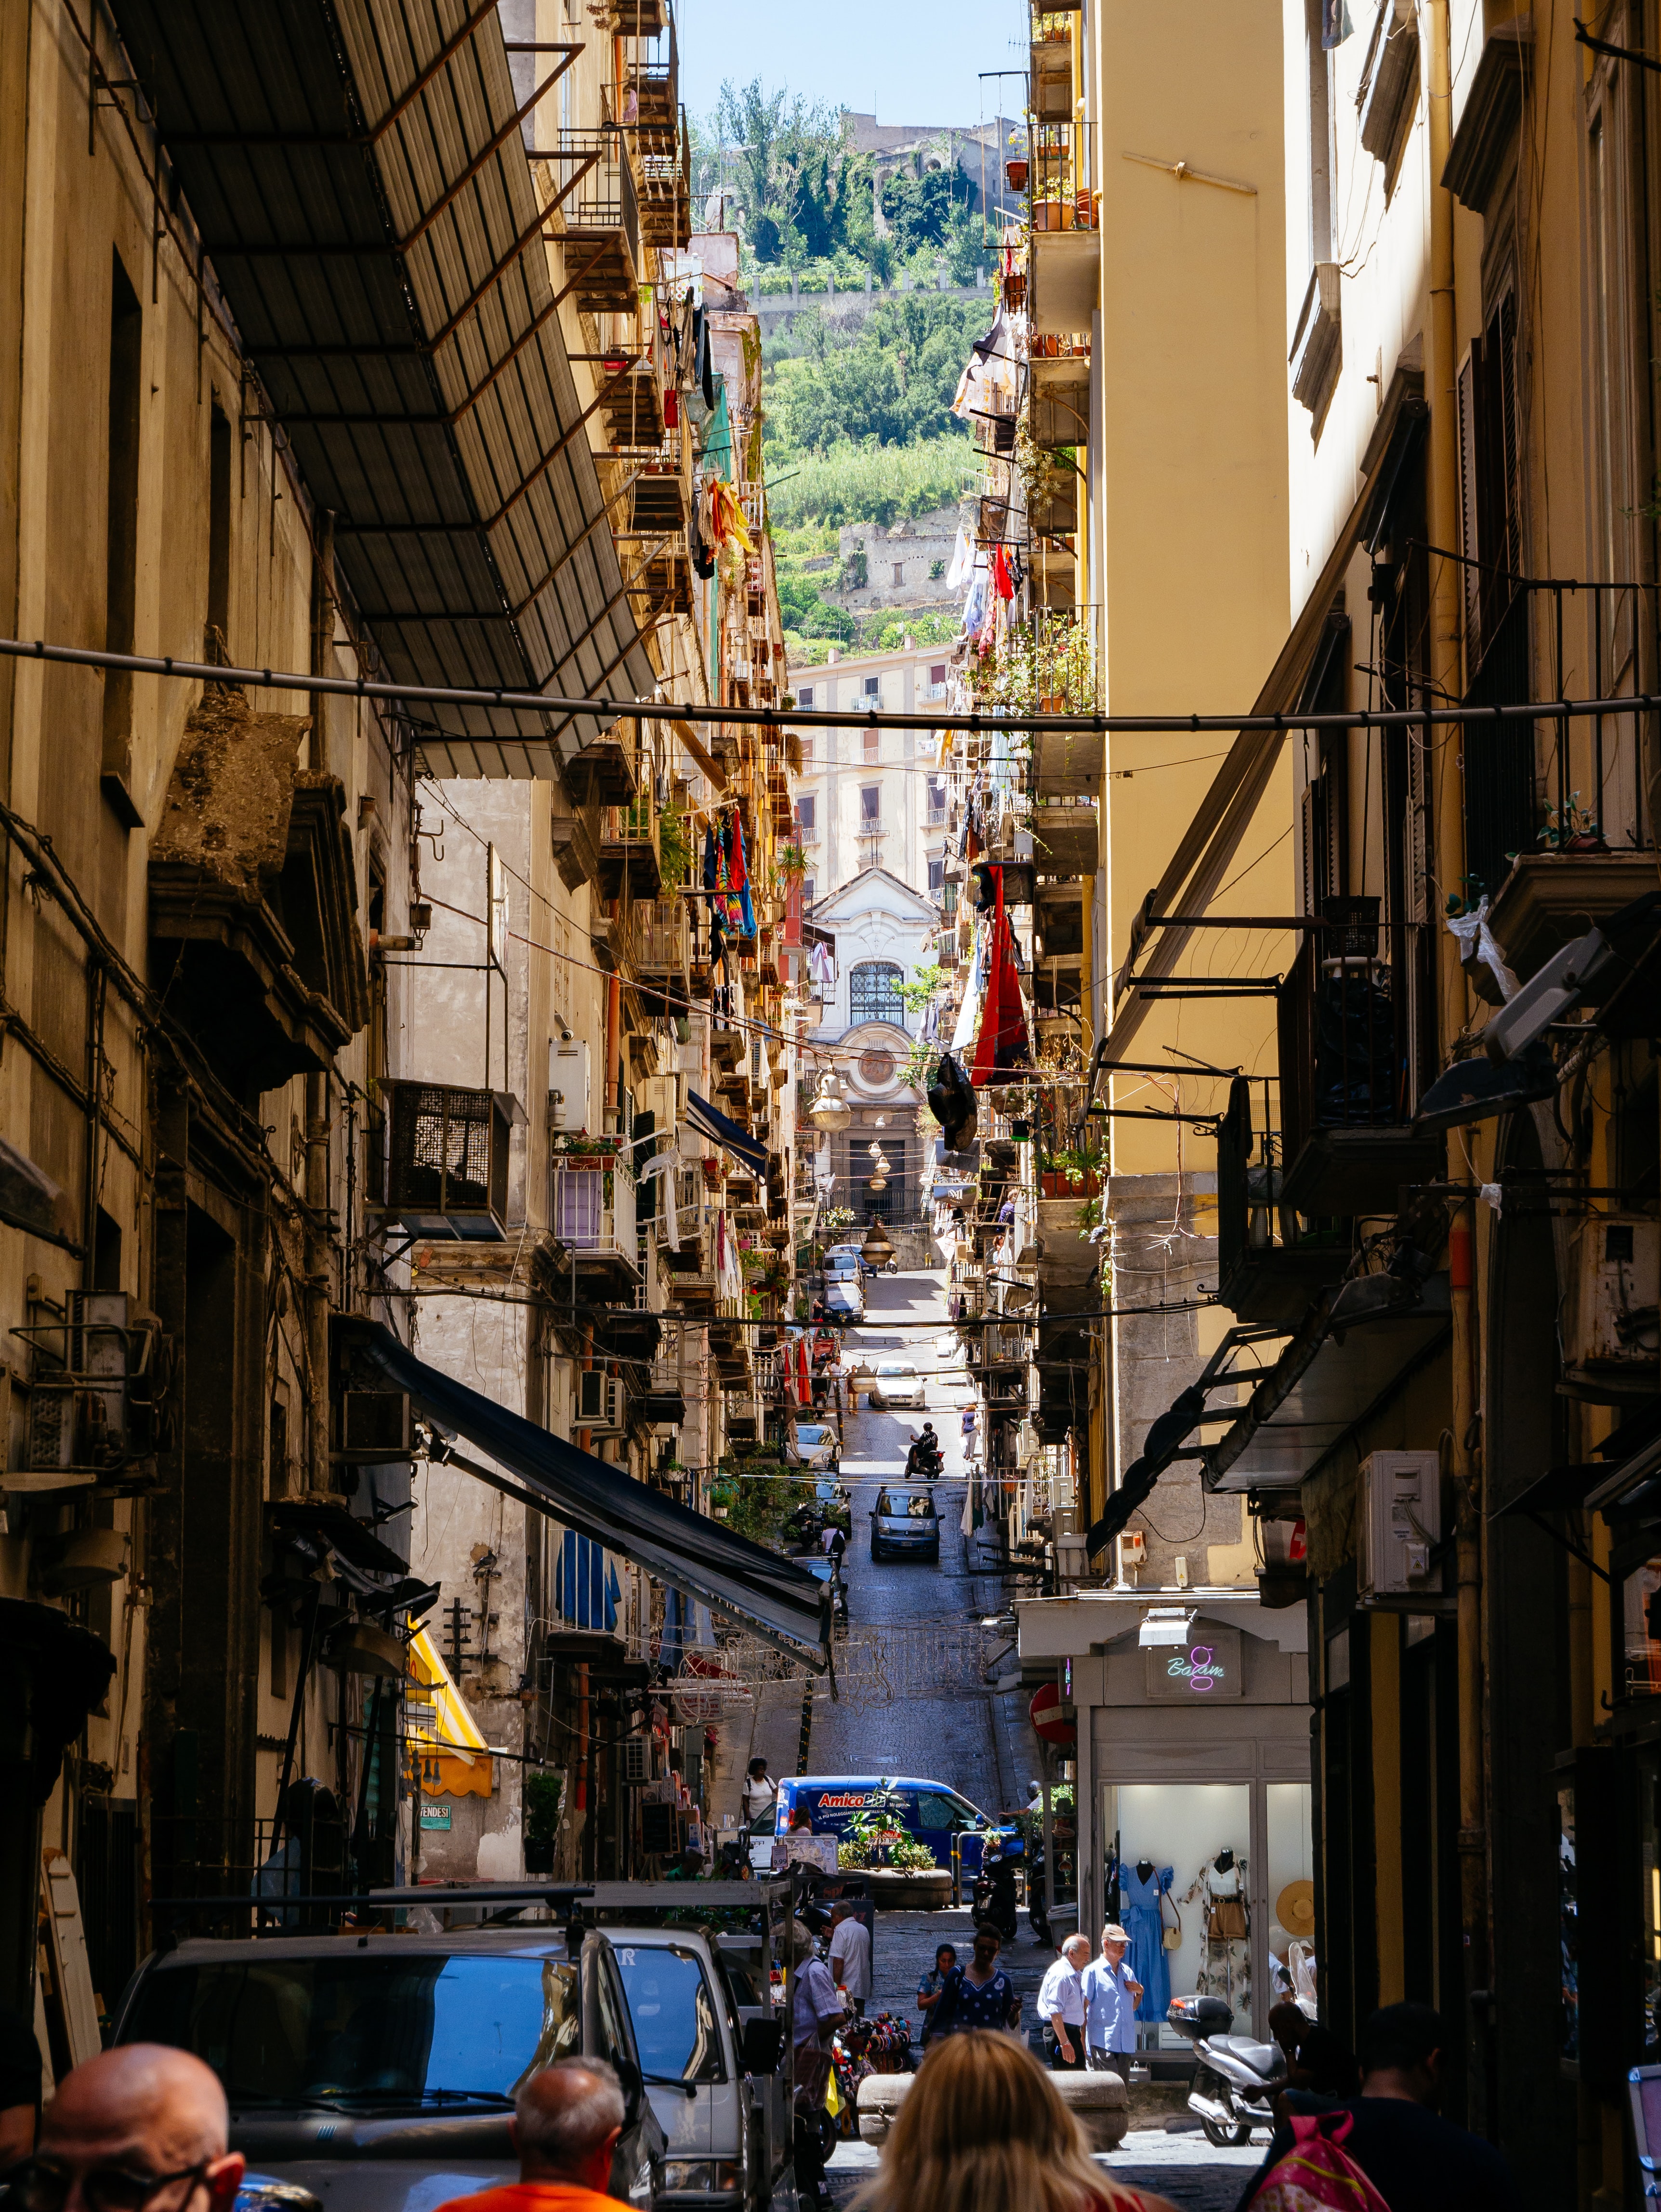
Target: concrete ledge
1100,2103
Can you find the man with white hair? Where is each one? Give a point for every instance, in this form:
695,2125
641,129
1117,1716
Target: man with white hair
1112,1994
1061,2006
567,2120
140,2129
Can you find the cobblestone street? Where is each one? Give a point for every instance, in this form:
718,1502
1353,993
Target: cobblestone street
959,1732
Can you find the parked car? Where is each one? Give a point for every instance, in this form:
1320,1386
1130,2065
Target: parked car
712,2049
927,1810
815,1448
896,1382
377,2071
904,1525
844,1299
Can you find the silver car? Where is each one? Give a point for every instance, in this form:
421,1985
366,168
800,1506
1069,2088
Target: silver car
377,2072
904,1525
896,1382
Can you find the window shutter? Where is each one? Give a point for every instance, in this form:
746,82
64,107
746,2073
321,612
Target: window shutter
1469,372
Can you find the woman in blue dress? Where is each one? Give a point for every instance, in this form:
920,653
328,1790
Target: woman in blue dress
1141,1889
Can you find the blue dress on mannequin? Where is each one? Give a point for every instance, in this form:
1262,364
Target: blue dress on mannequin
1139,1901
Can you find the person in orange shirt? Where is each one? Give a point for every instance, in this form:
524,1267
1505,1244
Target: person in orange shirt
566,2124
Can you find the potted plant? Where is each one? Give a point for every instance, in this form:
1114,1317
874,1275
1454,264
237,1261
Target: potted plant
544,1796
1015,170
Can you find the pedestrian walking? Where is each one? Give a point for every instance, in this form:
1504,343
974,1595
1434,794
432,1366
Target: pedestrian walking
834,1543
850,1956
144,2128
761,1796
1415,2160
1061,2006
979,1995
1112,1994
815,2013
983,2128
929,1988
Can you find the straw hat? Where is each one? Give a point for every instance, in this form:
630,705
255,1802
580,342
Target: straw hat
1294,1909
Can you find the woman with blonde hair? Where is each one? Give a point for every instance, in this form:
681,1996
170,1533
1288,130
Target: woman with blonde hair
983,2128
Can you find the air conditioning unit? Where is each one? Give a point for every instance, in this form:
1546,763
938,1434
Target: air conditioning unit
1614,1338
601,1402
94,1398
568,1084
1399,1524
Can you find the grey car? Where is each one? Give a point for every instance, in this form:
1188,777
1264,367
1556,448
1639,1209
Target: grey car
904,1525
377,2072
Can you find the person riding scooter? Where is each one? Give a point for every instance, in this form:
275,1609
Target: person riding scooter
924,1457
994,1893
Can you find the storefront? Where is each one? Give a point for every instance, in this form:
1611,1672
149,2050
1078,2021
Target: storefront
1195,1798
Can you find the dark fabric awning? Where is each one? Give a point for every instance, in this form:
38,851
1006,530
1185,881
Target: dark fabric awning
360,183
729,1573
721,1129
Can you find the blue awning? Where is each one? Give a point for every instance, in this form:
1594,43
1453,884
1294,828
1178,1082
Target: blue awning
709,1121
743,1581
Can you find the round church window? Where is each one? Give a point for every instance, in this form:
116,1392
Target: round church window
876,1068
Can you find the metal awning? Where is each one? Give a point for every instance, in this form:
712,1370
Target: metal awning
1322,1387
1635,1481
745,1583
360,184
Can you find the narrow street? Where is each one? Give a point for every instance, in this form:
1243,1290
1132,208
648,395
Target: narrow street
943,1727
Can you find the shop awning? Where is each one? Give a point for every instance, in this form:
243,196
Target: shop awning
1323,1386
1207,849
361,183
740,1580
1635,1480
455,1760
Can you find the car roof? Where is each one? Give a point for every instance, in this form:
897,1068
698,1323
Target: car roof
870,1782
896,1367
661,1937
533,1941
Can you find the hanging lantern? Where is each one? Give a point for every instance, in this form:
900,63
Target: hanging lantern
876,1249
829,1110
876,1182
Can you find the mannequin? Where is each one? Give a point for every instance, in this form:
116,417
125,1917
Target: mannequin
1144,1869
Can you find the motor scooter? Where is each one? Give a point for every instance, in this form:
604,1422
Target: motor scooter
993,1899
1236,2077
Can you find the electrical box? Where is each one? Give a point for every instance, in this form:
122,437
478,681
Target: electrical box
1616,1329
600,1402
1399,1523
568,1084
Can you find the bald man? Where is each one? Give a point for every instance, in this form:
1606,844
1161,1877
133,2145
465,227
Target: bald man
142,2129
567,2124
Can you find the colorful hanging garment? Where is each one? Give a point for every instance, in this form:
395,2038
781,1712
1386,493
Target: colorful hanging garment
739,877
1003,1045
1000,575
727,516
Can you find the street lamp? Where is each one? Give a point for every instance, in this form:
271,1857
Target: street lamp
829,1110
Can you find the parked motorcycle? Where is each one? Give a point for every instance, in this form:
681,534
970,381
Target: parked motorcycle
1236,2077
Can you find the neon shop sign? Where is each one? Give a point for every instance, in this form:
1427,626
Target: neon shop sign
1198,1667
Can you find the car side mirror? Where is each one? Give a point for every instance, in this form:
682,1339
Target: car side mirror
761,2045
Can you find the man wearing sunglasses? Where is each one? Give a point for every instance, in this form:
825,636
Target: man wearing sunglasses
142,2129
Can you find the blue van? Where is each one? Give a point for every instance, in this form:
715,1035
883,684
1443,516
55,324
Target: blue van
929,1811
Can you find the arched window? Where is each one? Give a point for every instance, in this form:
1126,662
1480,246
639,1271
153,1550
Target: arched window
875,988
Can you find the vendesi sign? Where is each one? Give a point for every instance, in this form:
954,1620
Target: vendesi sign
1207,1668
435,1816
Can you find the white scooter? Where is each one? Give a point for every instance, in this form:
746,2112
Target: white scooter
1236,2078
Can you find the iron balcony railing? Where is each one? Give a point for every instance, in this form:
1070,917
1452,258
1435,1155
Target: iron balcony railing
591,1207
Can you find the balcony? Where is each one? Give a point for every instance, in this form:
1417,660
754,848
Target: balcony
1064,257
590,1209
1271,1265
611,766
628,852
1064,841
597,216
446,1161
1345,1027
665,943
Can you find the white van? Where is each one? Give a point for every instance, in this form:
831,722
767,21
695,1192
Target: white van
712,2050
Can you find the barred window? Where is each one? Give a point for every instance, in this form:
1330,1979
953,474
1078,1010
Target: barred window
875,988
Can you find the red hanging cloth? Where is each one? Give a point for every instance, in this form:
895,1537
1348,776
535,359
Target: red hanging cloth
1000,575
1003,1045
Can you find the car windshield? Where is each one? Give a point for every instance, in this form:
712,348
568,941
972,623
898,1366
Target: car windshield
903,1505
894,1367
674,2012
808,1435
360,2025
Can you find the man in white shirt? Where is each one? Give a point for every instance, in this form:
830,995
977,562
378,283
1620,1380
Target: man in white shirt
1112,1994
850,1957
1061,2008
760,1794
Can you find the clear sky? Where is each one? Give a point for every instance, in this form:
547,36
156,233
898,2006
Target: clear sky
912,61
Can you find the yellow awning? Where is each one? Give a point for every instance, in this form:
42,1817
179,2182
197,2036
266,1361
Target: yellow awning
454,1757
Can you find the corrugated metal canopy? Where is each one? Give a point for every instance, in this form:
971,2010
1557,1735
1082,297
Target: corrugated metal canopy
361,183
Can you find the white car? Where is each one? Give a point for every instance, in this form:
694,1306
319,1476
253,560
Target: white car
896,1382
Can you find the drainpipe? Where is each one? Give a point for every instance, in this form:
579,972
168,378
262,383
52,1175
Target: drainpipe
318,1275
1448,826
